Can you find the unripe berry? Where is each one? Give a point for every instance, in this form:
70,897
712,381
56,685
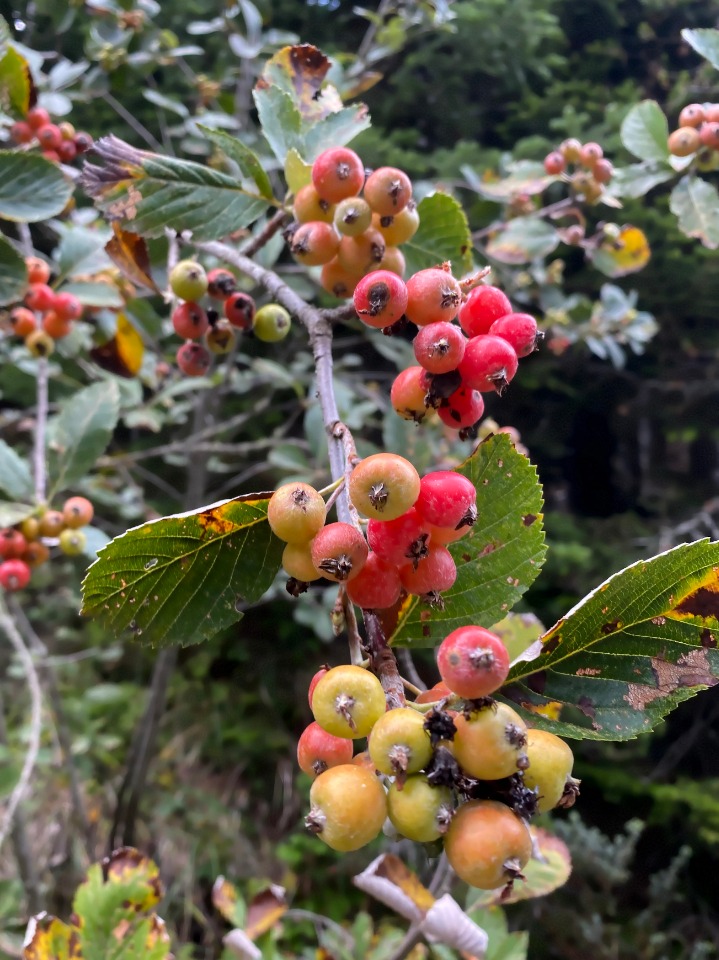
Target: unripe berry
40,343
314,243
339,551
72,542
554,163
361,254
490,741
462,409
188,280
519,330
400,227
487,845
309,206
272,323
383,486
297,562
380,298
434,574
220,338
388,191
67,130
296,512
241,310
193,359
349,807
433,295
14,575
550,764
419,811
589,154
483,306
473,662
29,528
337,173
52,523
318,750
220,283
377,585
692,115
22,321
489,363
338,281
439,347
189,320
447,499
571,150
399,744
352,216
77,512
408,394
348,701
38,271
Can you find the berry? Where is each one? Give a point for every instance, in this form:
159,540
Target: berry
377,585
188,280
296,512
37,270
692,115
589,154
83,142
40,343
482,307
67,306
272,323
490,741
393,261
383,486
489,363
473,662
487,844
52,523
571,150
419,811
12,543
55,326
22,321
439,347
380,298
348,701
554,163
297,562
338,281
14,575
309,205
30,529
550,764
220,283
435,574
36,554
318,750
40,297
193,359
447,499
220,338
399,743
574,235
339,551
77,512
314,243
349,807
438,692
189,320
519,330
388,191
67,130
400,227
403,539
240,310
337,173
72,542
352,216
314,681
709,135
359,255
67,151
462,409
49,136
408,394
37,117
603,171
22,132
433,295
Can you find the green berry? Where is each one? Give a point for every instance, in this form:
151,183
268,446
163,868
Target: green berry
272,323
188,280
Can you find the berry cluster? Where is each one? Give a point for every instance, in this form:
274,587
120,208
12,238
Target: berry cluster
456,364
587,165
60,143
410,523
468,771
349,223
46,315
190,282
27,545
698,127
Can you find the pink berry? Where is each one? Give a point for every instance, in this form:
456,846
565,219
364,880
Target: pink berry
189,320
433,574
339,551
193,359
473,662
439,347
388,191
519,330
554,163
399,540
433,295
14,575
240,310
462,409
67,306
337,173
317,750
380,298
489,364
40,297
482,307
447,499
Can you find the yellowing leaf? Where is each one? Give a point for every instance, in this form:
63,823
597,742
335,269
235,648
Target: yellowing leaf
297,173
264,910
627,253
127,865
48,938
227,901
129,252
300,71
121,355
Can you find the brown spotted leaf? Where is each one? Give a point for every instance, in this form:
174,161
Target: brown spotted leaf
300,71
48,938
180,579
630,652
227,900
498,559
265,910
129,252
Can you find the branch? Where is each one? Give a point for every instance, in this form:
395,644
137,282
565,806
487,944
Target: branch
382,661
39,463
8,627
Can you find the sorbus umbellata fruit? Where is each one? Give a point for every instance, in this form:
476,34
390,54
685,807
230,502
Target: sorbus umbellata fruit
380,298
473,662
309,206
384,486
403,539
14,575
684,141
692,115
519,330
189,320
72,542
487,844
314,243
377,585
77,512
400,227
22,321
297,562
554,163
12,543
435,574
388,190
399,744
348,807
433,295
296,512
38,271
272,323
193,359
220,338
439,347
318,750
490,741
359,255
489,363
447,499
419,811
188,280
55,326
220,283
352,216
408,394
483,306
240,310
550,764
37,117
348,701
40,296
337,173
461,409
339,551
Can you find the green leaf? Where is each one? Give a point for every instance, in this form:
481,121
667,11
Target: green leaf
336,129
297,173
629,652
525,176
180,579
523,239
280,121
96,294
696,204
15,477
502,945
706,43
644,131
150,192
500,557
443,234
638,179
12,513
13,273
246,160
15,81
31,187
81,432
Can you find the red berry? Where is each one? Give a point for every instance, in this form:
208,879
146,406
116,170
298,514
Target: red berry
189,321
83,142
589,154
40,297
435,573
240,310
55,325
433,295
447,499
52,155
38,271
193,359
12,543
339,551
220,283
314,243
67,151
388,191
462,409
359,255
49,136
603,171
554,163
519,330
408,394
473,662
21,132
380,298
67,306
337,173
377,585
482,307
314,681
439,347
709,135
14,575
489,364
78,512
318,750
37,117
403,539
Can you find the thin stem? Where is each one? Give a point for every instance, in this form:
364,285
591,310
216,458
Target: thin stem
353,634
275,223
408,668
8,627
382,660
39,463
132,121
560,206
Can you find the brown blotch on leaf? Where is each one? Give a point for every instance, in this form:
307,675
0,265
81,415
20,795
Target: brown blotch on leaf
528,519
704,603
707,638
611,627
537,681
551,645
214,523
587,707
691,670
